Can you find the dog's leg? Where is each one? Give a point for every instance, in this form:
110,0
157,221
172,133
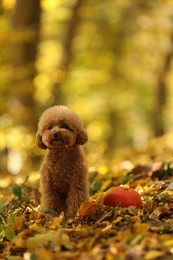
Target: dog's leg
52,202
78,193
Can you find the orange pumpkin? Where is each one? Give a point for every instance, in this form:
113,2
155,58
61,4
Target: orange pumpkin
121,196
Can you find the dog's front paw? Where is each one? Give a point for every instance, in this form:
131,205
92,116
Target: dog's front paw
72,207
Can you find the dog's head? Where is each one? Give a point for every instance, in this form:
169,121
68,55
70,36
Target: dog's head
59,126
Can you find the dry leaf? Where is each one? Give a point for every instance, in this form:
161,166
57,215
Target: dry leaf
88,209
153,254
56,238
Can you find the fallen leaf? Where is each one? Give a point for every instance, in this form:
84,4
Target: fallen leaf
153,254
19,241
118,219
57,238
19,222
9,233
88,209
37,227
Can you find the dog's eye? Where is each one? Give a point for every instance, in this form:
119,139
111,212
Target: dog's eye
50,127
65,126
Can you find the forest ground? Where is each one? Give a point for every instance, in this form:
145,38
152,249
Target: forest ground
98,231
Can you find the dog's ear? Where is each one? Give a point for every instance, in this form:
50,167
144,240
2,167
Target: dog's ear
39,141
82,137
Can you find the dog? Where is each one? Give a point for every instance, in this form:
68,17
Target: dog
64,180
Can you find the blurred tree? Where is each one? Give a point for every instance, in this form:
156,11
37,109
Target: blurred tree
20,103
26,22
161,92
1,8
67,52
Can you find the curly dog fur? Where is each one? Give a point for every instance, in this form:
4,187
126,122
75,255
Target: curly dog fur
63,182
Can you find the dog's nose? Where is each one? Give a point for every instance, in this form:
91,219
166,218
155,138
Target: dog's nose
55,135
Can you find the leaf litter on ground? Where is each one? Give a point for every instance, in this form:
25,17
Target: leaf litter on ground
98,231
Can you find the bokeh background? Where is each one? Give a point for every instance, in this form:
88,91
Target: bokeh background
110,61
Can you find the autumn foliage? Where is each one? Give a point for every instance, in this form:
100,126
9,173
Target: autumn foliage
98,231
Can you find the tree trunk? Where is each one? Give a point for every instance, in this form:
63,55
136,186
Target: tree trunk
26,22
161,94
67,56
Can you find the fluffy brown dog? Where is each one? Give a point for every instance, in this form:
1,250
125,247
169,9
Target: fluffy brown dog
63,183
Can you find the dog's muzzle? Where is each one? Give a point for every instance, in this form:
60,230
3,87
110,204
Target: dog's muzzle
56,136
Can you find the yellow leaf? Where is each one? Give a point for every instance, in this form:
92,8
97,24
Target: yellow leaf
56,222
99,197
108,227
103,170
139,227
18,225
135,218
117,220
106,184
153,254
37,228
56,238
33,215
19,241
168,243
